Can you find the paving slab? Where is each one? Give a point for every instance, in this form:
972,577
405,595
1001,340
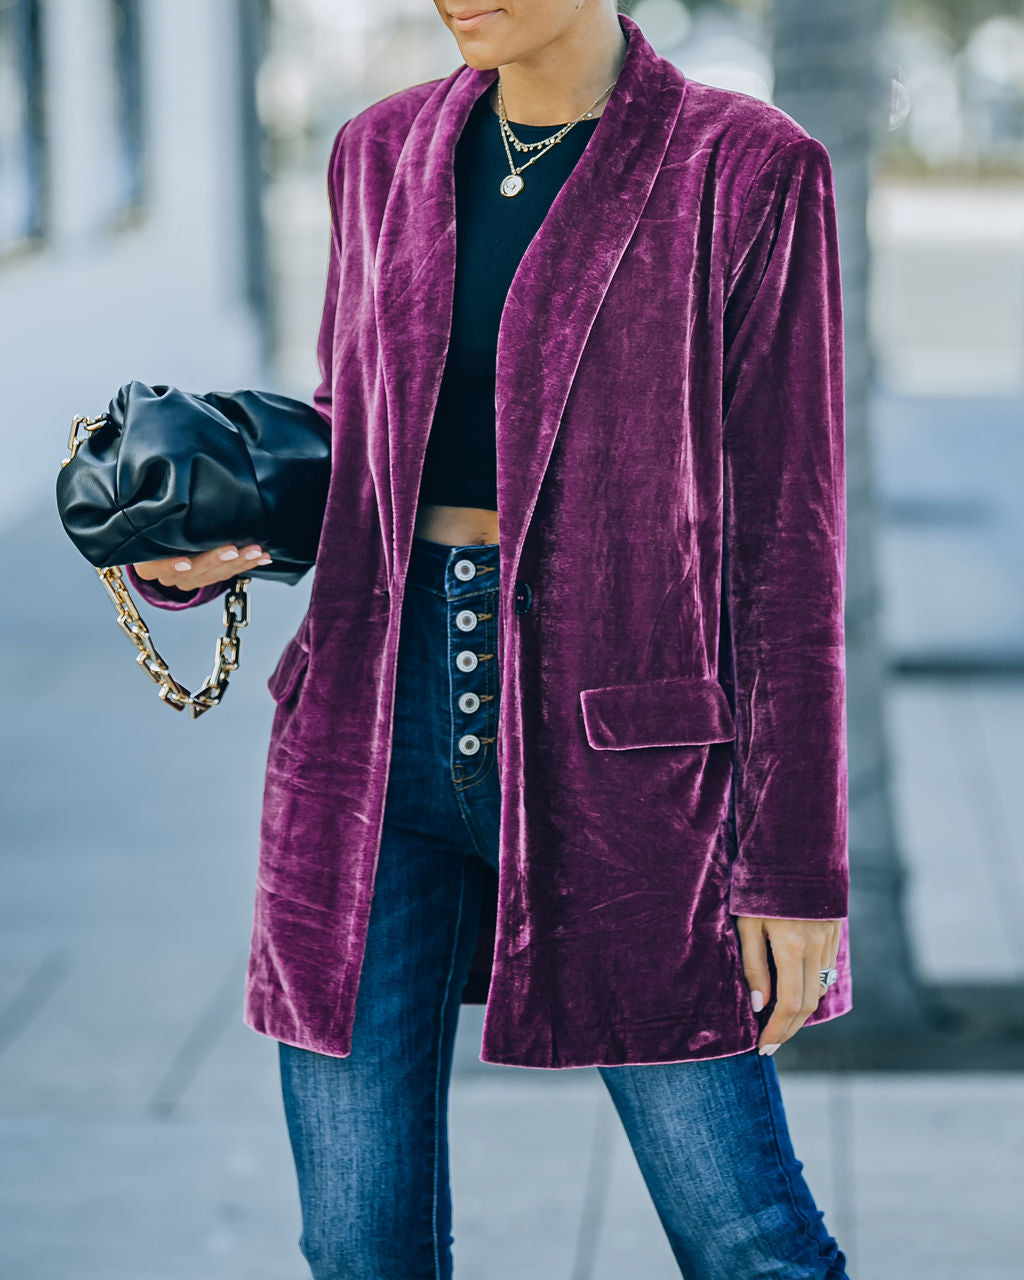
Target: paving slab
520,1151
938,1172
101,1196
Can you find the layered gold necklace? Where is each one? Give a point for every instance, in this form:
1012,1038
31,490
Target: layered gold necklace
514,183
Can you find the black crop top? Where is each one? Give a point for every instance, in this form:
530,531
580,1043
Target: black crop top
492,233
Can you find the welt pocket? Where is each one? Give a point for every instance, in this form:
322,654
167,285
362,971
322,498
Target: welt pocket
677,711
292,663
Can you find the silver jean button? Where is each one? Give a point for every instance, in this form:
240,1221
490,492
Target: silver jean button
466,660
469,744
464,570
469,702
466,619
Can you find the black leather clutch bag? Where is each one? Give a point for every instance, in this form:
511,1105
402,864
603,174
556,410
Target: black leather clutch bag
164,471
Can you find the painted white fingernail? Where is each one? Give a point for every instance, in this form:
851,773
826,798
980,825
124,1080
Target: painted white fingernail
251,555
229,555
768,1049
757,1000
182,564
263,560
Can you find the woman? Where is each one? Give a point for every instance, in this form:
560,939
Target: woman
591,772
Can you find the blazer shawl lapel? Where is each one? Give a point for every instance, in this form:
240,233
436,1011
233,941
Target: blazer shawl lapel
554,296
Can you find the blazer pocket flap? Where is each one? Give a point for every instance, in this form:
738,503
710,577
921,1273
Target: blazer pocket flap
292,663
675,712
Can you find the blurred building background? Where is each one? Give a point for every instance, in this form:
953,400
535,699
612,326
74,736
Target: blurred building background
163,216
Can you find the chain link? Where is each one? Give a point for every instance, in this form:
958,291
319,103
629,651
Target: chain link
74,439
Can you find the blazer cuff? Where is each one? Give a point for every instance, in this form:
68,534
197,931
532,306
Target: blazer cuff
789,898
162,597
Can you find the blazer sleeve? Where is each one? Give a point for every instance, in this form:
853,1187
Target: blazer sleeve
162,597
784,554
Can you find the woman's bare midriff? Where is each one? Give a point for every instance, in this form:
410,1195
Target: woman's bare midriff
456,526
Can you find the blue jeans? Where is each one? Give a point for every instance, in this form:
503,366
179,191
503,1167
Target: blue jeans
369,1132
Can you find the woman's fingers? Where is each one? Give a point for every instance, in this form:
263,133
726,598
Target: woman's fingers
187,572
754,947
799,948
219,563
833,950
788,951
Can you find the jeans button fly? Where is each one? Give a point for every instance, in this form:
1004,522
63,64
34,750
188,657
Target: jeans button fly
466,619
464,570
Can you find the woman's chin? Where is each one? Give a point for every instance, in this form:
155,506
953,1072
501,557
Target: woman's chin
480,59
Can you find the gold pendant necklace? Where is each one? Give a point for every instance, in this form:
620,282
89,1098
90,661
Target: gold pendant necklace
513,183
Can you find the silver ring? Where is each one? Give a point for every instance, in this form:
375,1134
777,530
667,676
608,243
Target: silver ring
826,977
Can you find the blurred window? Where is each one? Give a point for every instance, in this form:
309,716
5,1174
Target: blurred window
22,125
127,61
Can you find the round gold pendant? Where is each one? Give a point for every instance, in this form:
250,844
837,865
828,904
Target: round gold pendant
512,185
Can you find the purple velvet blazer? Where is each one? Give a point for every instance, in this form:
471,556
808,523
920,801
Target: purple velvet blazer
672,738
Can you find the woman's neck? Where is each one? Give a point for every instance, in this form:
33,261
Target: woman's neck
492,102
534,96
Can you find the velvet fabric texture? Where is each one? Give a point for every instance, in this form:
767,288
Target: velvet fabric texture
672,744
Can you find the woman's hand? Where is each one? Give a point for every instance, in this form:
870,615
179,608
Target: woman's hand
186,572
800,948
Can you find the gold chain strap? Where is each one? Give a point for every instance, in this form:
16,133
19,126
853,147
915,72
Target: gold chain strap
229,645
